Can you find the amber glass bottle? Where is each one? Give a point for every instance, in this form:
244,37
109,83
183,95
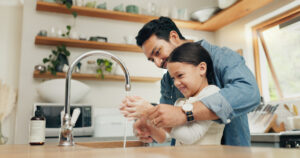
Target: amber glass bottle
37,128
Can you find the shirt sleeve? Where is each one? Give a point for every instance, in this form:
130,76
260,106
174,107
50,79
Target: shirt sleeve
190,133
239,93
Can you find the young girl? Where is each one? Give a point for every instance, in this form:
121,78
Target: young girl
191,68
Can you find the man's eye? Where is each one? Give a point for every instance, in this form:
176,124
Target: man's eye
157,53
180,75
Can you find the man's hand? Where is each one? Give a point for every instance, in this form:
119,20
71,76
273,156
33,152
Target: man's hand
142,130
164,115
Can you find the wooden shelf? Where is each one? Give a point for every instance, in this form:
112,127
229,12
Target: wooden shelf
227,16
79,76
41,40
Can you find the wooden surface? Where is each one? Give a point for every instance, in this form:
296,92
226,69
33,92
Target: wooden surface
40,40
233,13
225,17
111,144
54,151
271,67
80,76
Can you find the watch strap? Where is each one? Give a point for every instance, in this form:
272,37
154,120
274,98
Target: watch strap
189,116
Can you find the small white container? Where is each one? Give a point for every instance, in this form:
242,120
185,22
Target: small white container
296,120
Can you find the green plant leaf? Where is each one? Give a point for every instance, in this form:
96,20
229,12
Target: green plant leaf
68,5
99,61
99,71
45,60
106,63
108,69
54,52
67,53
53,72
74,14
69,27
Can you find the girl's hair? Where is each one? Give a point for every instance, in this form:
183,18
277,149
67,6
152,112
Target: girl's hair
193,53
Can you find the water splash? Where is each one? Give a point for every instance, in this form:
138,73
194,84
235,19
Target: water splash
125,126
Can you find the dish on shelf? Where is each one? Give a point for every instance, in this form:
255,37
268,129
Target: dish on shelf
203,15
223,4
54,90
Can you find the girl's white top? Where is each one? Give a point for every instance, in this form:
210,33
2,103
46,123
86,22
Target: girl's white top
198,132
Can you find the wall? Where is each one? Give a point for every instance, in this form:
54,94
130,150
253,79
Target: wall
104,93
10,42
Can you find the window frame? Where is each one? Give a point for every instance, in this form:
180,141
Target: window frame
257,35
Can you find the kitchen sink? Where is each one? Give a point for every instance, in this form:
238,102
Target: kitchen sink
111,144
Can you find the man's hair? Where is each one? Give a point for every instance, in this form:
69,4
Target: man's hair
193,53
160,27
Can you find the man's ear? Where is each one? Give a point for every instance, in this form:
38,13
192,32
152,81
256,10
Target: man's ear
174,38
203,68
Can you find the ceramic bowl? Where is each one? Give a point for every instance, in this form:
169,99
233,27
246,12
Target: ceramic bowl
53,91
204,14
223,4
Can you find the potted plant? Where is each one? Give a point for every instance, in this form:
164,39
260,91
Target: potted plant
57,59
104,65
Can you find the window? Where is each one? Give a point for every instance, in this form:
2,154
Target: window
277,56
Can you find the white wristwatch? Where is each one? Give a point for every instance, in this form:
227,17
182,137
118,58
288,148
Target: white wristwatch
188,109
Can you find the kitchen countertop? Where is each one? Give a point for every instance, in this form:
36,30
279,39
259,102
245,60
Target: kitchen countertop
77,151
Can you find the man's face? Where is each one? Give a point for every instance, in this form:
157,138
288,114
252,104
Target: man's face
158,50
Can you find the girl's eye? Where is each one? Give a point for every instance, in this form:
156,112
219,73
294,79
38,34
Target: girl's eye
157,52
180,75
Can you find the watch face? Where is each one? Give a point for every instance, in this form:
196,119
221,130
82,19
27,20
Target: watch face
187,107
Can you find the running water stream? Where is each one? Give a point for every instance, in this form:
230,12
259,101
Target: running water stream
125,126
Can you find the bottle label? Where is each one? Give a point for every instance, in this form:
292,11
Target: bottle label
37,131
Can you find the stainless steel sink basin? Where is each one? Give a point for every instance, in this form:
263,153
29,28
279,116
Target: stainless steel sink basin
111,144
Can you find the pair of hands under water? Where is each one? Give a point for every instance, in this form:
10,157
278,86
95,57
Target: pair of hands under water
149,118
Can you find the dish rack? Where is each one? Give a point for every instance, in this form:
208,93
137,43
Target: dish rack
263,119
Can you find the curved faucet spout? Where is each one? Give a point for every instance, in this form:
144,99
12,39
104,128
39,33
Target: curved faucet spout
66,138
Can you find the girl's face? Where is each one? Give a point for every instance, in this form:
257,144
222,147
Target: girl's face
189,79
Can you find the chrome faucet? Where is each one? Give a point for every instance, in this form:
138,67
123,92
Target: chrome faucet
65,136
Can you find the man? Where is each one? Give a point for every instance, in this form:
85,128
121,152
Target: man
239,93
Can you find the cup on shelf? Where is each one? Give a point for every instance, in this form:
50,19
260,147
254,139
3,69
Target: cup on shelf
174,13
102,6
152,8
164,11
90,4
183,14
52,32
74,35
42,33
79,3
59,33
82,37
129,39
50,1
132,9
119,8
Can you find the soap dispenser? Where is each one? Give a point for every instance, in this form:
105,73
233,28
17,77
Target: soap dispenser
37,128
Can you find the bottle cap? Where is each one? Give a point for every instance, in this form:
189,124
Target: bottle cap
38,112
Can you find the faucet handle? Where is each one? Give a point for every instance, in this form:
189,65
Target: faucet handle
75,116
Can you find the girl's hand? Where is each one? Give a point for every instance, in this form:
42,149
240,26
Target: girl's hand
135,107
